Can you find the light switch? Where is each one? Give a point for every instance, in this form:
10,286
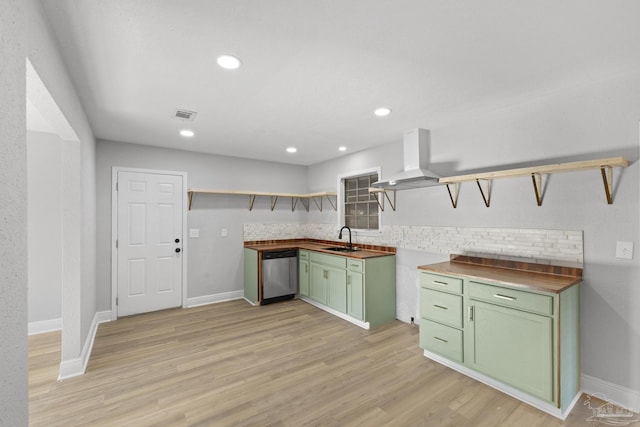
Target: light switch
223,232
624,250
194,233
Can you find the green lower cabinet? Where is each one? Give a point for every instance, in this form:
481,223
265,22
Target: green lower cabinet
318,283
512,346
303,278
524,339
251,275
337,287
355,297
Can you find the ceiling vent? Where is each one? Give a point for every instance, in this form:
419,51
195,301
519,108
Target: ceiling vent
185,115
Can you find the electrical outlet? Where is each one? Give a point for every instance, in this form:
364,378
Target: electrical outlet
194,233
624,250
223,232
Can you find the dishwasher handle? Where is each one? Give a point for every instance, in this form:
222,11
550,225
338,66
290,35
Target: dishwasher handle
287,253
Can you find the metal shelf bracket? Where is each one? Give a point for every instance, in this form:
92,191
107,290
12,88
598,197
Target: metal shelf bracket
454,196
537,187
607,179
486,197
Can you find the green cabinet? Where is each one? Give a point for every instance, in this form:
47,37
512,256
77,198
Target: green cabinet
524,339
318,283
355,301
303,273
250,261
362,289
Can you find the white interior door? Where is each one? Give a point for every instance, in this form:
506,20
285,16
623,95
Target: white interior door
149,242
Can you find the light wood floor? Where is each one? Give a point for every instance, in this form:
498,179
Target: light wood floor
285,364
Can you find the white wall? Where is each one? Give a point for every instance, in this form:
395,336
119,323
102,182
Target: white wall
13,211
44,219
214,262
599,120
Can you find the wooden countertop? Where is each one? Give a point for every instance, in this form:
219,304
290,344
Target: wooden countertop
364,252
540,277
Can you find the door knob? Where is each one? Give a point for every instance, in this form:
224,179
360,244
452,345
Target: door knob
177,250
177,240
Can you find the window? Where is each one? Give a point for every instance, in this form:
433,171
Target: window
360,207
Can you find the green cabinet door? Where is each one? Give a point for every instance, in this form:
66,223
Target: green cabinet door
251,275
355,298
303,277
512,346
337,287
317,283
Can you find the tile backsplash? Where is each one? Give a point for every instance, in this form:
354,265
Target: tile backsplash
556,247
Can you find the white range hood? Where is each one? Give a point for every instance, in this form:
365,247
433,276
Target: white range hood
416,158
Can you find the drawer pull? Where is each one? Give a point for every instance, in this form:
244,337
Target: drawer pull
440,307
441,340
470,312
504,297
435,282
355,265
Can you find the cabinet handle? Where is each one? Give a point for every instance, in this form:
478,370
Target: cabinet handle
306,268
470,313
504,297
435,282
355,265
441,340
348,280
440,307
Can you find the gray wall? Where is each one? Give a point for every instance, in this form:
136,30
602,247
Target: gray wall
13,214
44,55
45,235
214,262
582,122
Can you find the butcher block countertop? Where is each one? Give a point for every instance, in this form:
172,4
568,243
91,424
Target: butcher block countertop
539,277
363,252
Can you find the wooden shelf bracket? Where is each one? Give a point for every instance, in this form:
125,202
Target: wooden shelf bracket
537,187
454,196
333,205
376,193
607,179
486,197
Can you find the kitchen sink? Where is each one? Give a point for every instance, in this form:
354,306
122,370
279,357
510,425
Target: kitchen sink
341,249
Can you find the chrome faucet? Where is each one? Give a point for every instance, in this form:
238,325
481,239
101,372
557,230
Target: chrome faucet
350,246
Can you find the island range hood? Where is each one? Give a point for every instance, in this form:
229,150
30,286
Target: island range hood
416,158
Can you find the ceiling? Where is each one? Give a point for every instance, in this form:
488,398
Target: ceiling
314,70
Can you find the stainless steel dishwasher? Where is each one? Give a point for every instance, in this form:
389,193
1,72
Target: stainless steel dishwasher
279,275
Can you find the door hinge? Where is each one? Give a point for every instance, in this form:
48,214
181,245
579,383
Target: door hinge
116,300
116,186
116,243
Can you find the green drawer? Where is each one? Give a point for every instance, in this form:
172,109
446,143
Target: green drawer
441,307
303,255
355,265
442,283
441,339
329,260
514,298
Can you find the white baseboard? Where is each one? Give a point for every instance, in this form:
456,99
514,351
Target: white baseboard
363,325
44,326
616,394
75,367
214,298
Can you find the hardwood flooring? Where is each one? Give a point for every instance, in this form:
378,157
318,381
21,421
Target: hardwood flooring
285,364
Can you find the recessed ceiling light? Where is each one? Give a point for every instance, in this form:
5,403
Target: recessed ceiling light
291,149
187,133
343,148
228,62
382,111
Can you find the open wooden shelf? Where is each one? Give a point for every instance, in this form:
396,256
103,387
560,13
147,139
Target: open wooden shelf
295,198
605,165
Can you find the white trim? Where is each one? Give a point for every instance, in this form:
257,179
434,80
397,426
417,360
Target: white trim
252,303
214,298
44,326
363,325
614,393
114,231
340,200
515,393
76,367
